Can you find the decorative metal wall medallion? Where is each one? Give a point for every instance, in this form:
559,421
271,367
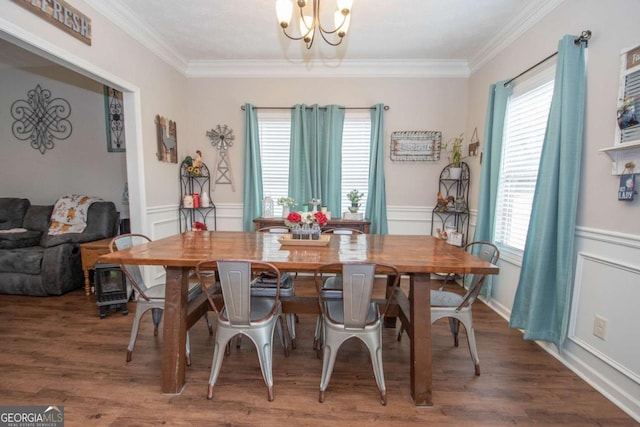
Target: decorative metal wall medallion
41,119
114,110
222,138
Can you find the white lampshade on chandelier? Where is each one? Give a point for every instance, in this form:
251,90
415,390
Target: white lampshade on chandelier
310,23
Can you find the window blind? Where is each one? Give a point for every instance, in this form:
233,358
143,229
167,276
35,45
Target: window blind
525,126
356,147
275,135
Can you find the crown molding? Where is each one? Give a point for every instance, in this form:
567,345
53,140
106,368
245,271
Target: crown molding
409,68
120,15
532,13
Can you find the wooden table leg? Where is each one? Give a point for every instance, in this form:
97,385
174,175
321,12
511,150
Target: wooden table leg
175,330
87,283
420,331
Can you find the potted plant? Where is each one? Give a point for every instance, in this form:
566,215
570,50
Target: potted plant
287,203
454,153
354,196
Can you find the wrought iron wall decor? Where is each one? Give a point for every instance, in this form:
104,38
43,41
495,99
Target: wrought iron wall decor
222,138
167,140
114,111
41,119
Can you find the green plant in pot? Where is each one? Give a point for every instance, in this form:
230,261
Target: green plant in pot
287,204
454,153
354,196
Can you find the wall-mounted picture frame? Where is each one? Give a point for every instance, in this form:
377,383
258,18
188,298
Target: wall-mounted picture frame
167,140
416,145
114,115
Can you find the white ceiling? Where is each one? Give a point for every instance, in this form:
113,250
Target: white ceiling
386,37
192,33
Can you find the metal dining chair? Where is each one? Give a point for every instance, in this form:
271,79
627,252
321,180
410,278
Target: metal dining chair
456,307
353,314
332,283
150,297
254,317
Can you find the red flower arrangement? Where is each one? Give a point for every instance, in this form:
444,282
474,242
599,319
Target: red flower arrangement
296,218
320,218
198,226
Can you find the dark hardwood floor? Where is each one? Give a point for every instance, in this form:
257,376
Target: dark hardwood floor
57,351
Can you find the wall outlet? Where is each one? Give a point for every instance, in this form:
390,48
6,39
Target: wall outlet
599,327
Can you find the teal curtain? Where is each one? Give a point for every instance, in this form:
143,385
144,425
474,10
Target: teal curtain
490,173
252,169
376,210
315,157
542,301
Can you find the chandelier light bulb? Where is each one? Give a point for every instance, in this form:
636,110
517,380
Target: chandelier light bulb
342,23
310,24
284,10
307,28
345,5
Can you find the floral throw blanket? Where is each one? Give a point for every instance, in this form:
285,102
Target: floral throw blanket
70,214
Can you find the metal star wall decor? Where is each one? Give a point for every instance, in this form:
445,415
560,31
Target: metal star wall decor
222,138
41,119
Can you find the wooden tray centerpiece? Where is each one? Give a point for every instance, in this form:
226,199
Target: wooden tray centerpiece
288,240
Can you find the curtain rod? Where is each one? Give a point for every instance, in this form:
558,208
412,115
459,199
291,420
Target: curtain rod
584,38
386,107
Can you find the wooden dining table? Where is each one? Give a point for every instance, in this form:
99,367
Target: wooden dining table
416,256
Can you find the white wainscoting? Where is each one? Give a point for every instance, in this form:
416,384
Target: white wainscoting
163,220
606,283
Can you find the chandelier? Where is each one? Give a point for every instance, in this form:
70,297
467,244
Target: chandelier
310,23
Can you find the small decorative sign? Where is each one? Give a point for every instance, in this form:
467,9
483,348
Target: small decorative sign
167,140
62,15
627,187
454,238
416,145
633,58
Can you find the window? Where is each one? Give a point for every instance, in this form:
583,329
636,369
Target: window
356,147
525,126
275,135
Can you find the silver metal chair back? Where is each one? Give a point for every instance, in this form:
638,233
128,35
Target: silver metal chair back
486,251
343,230
357,285
133,272
235,280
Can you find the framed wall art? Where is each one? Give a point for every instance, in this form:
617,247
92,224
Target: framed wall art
415,145
114,113
167,140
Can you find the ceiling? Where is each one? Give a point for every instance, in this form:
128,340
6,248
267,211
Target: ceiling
196,32
239,37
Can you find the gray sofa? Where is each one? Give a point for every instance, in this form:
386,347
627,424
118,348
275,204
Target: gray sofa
34,263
